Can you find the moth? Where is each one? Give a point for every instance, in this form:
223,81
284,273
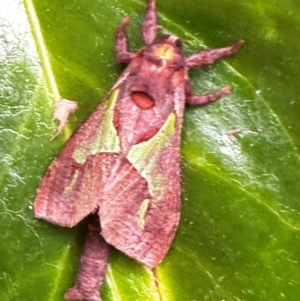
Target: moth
121,168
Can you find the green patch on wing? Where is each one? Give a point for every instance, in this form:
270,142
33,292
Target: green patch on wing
144,155
106,139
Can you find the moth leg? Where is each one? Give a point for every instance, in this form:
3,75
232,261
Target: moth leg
93,265
121,46
203,99
149,26
207,57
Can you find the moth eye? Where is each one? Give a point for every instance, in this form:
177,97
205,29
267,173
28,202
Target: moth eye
178,43
142,100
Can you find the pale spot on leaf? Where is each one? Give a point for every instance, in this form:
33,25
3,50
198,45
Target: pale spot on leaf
63,109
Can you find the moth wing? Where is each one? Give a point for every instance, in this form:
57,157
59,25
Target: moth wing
140,210
71,188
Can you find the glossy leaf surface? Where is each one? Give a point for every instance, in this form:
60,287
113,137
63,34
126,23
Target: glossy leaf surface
239,235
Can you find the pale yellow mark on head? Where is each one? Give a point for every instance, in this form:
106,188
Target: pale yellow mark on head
165,52
142,212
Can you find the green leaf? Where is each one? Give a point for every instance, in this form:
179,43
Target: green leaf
239,235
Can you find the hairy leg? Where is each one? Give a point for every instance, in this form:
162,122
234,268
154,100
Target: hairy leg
203,99
207,57
123,55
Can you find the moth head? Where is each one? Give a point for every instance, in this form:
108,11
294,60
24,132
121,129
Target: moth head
170,40
167,47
